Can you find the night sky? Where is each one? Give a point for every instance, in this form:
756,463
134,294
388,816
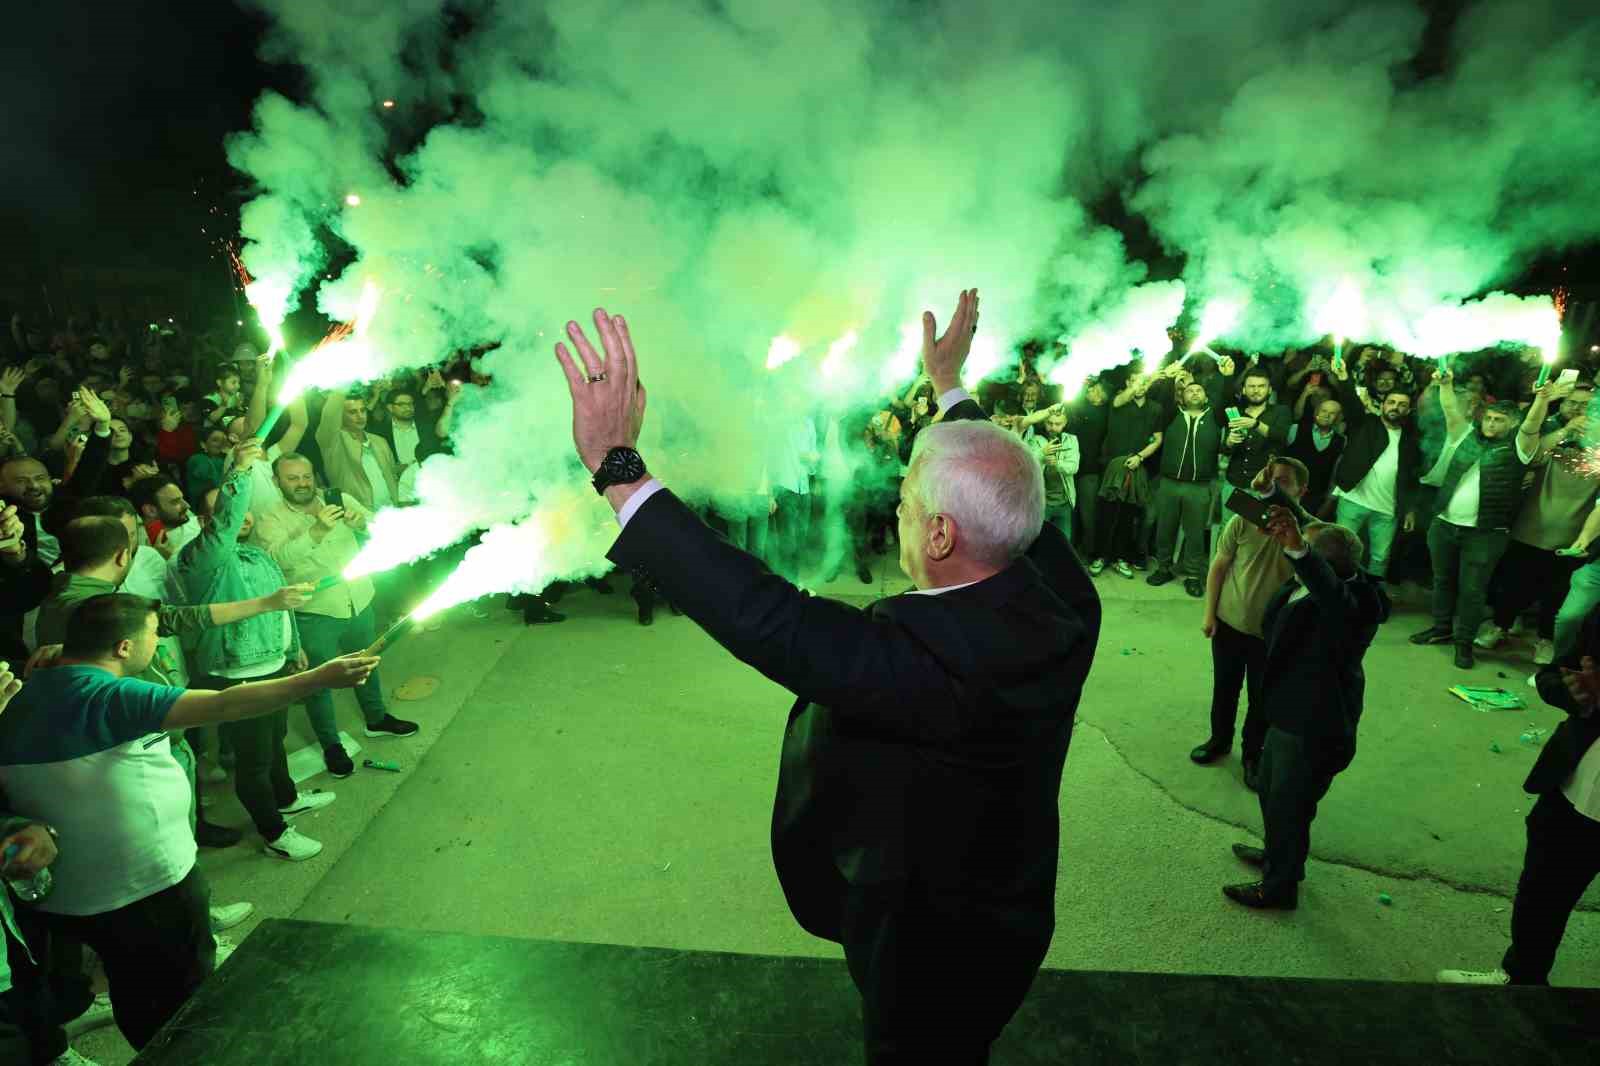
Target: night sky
115,117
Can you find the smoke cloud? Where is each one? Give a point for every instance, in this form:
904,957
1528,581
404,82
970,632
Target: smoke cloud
728,172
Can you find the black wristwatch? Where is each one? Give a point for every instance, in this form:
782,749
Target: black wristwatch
620,467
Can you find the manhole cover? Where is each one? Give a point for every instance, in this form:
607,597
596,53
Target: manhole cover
416,688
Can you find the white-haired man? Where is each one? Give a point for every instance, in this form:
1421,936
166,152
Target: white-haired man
916,815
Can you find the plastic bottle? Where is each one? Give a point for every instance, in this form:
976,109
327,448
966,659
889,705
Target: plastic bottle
29,889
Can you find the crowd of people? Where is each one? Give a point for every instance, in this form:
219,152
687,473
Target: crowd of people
175,581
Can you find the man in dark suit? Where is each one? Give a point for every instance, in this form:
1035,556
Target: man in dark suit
1563,854
1318,629
916,815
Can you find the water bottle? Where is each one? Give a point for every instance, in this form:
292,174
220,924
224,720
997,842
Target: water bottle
30,889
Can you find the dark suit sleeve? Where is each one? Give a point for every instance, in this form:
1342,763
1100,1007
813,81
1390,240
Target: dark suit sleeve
965,411
821,650
1330,594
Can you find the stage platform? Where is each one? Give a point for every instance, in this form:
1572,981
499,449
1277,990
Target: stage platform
305,992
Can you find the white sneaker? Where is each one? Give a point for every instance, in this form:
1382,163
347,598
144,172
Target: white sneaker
230,916
225,947
98,1016
210,773
1533,681
1489,636
292,846
72,1058
1474,977
307,801
1544,652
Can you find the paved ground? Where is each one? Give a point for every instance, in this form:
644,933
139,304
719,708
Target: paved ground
598,781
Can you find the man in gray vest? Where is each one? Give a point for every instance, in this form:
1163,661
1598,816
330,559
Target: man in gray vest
1479,474
1189,450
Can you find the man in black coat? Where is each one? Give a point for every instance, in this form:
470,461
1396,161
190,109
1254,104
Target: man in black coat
1563,856
916,816
1317,629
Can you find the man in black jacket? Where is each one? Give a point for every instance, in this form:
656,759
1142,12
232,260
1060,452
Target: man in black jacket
1190,446
916,815
1563,854
1376,480
1318,629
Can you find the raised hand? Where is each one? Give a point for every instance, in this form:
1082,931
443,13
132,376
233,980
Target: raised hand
944,356
93,406
10,685
246,452
1283,527
11,378
608,399
329,516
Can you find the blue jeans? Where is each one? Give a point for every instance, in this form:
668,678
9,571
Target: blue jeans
1583,596
1061,518
325,638
1374,528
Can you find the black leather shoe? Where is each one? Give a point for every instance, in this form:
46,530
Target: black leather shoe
674,608
1252,774
1254,895
210,835
1194,587
1161,576
1464,659
1432,635
538,613
1250,853
647,614
1209,752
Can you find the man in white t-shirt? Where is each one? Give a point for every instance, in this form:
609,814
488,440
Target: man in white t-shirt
84,749
1479,476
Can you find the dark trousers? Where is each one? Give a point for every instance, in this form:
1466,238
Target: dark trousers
870,516
1295,774
794,530
261,765
323,638
1118,534
933,988
1087,488
1526,574
1563,857
1463,561
1237,661
43,997
156,951
1182,505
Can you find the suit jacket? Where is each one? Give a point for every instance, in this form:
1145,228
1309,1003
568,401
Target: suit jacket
428,442
922,757
341,456
1313,684
1566,747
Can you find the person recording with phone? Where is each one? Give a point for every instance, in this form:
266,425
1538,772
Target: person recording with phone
313,537
1317,628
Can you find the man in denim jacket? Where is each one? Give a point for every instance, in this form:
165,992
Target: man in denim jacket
219,567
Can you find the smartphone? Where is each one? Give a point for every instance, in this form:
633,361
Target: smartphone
332,498
1252,507
1567,376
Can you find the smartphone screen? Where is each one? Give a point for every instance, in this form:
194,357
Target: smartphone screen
1567,376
